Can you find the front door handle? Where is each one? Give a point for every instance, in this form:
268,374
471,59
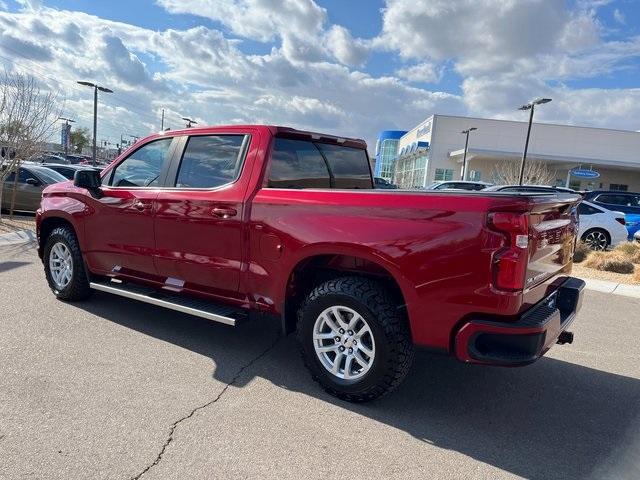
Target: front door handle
140,205
224,212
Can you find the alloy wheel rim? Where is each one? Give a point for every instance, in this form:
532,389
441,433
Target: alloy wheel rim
343,342
596,240
60,265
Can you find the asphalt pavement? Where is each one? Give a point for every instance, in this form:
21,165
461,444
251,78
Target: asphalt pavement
110,388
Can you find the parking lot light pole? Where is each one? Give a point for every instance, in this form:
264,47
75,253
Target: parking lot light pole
466,147
190,122
95,87
529,106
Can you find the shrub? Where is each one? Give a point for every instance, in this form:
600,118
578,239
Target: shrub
581,253
630,250
609,262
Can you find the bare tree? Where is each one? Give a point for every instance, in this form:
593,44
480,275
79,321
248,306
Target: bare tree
507,172
27,117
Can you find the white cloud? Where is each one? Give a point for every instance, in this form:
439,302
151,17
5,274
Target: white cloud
256,19
581,31
346,49
297,23
441,29
619,17
203,74
423,72
509,51
308,79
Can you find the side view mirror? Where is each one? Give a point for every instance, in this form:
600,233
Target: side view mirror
33,181
89,179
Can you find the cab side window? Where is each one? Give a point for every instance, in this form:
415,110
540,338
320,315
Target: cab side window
210,161
142,168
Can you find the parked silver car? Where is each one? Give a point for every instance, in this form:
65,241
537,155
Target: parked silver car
32,180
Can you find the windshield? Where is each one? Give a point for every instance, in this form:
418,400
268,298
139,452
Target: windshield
47,175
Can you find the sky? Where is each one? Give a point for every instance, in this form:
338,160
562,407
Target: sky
348,67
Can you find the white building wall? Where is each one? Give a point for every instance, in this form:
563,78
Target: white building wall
604,147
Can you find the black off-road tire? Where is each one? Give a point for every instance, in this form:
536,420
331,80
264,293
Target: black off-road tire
388,323
78,288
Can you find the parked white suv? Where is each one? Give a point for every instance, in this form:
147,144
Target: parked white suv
601,228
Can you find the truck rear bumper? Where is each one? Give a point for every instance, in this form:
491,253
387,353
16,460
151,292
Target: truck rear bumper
528,338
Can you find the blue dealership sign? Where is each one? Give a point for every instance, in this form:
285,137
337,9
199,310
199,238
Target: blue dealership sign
65,136
584,173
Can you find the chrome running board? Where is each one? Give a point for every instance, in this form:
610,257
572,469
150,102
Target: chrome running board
218,313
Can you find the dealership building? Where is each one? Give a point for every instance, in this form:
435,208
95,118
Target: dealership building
584,158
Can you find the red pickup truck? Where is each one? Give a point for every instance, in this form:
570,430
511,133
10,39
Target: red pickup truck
242,222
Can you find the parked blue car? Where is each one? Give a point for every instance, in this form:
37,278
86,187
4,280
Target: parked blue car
625,202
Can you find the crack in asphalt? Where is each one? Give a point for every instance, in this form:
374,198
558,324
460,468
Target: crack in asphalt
205,405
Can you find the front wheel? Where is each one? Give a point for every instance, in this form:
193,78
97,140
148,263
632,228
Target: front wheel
354,338
64,266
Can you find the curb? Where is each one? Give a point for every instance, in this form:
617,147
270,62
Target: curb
605,286
17,237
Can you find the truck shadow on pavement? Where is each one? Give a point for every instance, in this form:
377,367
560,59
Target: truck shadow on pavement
553,419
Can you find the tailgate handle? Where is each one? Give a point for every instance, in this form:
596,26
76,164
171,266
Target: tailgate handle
224,212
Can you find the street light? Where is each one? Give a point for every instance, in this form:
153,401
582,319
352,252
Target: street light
95,87
529,106
189,122
466,147
67,130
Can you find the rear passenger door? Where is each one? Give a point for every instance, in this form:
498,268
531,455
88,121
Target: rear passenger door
199,216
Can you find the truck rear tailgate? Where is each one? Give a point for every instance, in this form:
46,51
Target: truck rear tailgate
553,225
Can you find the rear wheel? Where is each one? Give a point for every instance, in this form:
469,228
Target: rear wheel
597,239
354,339
64,266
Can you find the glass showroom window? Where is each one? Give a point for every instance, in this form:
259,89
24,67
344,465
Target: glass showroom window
443,174
475,175
410,172
387,157
619,187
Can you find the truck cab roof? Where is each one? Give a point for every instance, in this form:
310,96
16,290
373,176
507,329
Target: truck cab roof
275,130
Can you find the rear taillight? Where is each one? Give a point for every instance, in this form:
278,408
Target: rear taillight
510,262
621,221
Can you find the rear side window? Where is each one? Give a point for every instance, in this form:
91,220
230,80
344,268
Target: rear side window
304,164
348,166
48,176
587,210
297,164
528,190
617,199
142,168
210,161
